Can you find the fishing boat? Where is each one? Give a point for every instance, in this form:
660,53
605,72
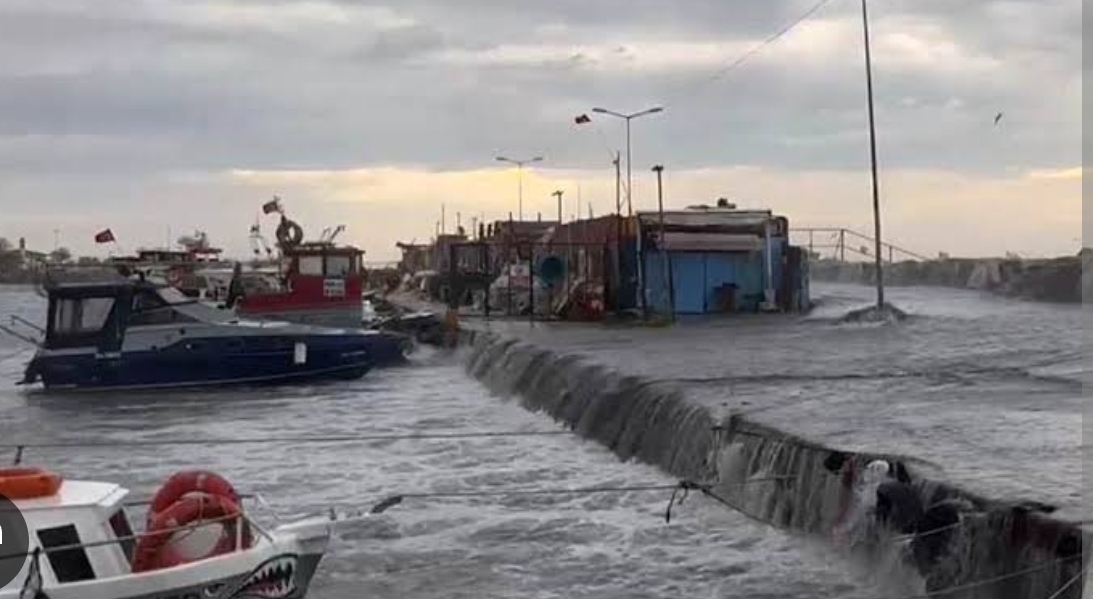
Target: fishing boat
197,542
321,283
131,334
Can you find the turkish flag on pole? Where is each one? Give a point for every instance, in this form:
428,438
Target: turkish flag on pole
273,205
582,119
105,236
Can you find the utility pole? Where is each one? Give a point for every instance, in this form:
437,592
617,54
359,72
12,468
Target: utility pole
443,224
873,156
662,245
618,232
558,194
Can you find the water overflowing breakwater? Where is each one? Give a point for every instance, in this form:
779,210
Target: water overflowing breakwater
727,431
1064,279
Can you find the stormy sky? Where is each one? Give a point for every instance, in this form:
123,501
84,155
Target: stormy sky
156,117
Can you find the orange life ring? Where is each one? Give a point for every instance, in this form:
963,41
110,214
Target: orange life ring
152,551
190,481
28,483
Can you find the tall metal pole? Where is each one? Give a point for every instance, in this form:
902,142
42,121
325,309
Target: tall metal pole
618,232
618,185
520,178
629,179
873,156
669,287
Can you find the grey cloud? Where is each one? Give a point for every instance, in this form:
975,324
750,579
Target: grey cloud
172,95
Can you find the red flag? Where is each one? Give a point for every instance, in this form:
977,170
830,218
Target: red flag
582,119
105,236
273,205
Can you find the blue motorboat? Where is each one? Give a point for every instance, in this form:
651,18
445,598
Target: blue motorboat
131,334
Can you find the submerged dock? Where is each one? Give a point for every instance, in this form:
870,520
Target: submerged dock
979,399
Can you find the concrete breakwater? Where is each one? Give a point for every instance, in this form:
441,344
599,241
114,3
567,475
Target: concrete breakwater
997,550
1057,280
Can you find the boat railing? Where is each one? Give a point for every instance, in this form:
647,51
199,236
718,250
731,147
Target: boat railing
186,528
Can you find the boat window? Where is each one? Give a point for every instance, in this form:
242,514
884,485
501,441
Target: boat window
311,265
151,308
119,523
69,565
164,315
338,266
82,315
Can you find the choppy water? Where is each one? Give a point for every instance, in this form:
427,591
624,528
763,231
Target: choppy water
987,390
600,546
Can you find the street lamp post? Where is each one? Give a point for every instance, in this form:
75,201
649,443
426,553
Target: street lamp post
520,178
628,118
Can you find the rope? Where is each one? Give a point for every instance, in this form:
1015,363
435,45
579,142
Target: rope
942,592
989,581
681,486
932,531
1069,583
743,58
6,357
256,440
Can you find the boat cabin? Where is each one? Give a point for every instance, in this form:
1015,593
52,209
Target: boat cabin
322,285
97,314
89,521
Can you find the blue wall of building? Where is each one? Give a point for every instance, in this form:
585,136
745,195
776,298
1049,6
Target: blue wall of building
698,276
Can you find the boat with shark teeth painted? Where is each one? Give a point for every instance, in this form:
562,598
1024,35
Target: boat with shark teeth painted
80,544
130,334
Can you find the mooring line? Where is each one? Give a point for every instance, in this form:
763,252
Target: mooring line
995,579
683,486
6,357
20,448
1059,592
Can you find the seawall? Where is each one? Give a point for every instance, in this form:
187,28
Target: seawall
1056,280
1025,553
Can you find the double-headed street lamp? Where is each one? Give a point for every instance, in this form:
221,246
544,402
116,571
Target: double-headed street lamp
628,118
520,177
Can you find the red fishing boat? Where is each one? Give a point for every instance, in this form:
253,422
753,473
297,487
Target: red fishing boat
321,283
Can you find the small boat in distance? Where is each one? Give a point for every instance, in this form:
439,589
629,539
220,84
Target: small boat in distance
130,334
198,542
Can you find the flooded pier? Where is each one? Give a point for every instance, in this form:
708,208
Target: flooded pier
979,398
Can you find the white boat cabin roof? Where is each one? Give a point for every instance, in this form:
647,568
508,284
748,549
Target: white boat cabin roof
74,494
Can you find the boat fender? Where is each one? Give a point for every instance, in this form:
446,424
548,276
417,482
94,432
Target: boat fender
185,482
153,551
28,483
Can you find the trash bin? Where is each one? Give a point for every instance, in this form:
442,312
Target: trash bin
726,298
